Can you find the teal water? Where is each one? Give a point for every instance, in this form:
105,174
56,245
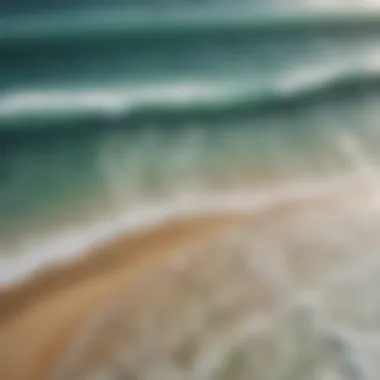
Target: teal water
103,110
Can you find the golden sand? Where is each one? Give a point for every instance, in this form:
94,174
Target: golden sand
41,317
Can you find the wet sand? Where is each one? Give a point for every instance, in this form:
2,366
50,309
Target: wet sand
38,317
41,316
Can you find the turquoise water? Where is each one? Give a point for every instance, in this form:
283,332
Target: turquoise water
102,110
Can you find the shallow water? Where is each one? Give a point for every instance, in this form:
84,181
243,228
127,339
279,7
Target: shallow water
54,180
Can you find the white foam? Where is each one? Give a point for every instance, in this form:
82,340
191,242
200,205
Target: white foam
116,100
75,241
108,100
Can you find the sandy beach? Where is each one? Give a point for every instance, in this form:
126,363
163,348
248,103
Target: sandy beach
46,311
41,316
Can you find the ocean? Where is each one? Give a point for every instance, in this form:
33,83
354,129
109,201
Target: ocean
105,109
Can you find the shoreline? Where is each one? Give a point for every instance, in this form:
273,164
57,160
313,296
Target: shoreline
71,242
48,309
